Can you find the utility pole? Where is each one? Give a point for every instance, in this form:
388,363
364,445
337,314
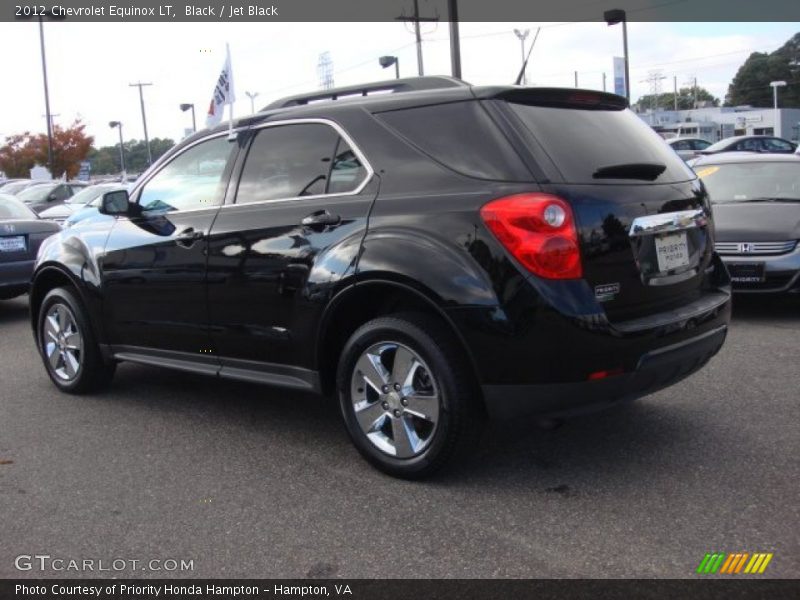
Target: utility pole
455,43
604,82
52,119
675,91
522,35
416,19
576,79
140,85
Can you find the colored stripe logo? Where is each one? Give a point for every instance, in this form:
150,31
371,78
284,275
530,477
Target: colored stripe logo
724,563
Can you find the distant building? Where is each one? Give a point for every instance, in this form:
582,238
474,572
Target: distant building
716,123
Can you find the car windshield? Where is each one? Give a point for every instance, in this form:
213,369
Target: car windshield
751,181
11,208
37,193
86,195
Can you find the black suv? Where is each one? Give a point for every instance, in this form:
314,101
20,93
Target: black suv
432,252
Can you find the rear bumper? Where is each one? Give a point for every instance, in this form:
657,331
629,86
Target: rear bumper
655,370
16,276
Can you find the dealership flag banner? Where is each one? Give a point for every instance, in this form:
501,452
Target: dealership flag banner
223,93
619,76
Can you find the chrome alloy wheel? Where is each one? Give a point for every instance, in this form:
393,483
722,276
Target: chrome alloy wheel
395,399
62,342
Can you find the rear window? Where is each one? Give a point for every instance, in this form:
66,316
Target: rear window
582,142
462,137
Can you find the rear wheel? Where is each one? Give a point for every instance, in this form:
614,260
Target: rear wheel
68,347
408,396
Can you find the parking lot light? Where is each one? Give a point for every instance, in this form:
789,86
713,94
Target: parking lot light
776,128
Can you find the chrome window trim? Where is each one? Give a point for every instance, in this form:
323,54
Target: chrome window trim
139,185
315,120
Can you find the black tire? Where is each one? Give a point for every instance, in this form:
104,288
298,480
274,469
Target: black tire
460,418
93,373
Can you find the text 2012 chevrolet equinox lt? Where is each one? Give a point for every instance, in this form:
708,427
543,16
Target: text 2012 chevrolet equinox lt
433,255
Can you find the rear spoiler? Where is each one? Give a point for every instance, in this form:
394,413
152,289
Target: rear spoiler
559,98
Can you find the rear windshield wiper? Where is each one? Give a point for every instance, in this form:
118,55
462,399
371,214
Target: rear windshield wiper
644,171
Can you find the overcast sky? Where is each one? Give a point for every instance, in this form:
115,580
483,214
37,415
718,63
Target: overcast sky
91,64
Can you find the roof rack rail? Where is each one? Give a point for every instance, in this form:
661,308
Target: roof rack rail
409,84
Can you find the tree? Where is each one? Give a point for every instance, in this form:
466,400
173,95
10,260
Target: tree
18,155
750,85
23,151
105,160
688,98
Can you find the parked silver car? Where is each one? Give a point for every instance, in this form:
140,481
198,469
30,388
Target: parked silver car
687,147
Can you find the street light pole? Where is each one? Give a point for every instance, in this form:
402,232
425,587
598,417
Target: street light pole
777,130
118,125
455,43
140,85
387,61
184,108
252,96
522,35
46,100
612,17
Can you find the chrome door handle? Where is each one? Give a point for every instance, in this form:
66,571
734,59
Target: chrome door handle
188,237
321,218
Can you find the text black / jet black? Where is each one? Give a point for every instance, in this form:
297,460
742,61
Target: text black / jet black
430,251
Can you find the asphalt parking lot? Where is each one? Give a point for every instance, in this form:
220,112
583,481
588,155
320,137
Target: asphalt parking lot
247,481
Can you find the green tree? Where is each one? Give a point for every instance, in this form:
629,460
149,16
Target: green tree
750,85
688,97
105,160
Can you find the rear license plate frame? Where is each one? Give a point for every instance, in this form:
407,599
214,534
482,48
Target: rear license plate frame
672,251
6,244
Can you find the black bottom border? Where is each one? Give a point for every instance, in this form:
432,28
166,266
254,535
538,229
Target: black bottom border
400,589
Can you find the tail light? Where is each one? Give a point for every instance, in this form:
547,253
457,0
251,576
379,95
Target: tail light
539,231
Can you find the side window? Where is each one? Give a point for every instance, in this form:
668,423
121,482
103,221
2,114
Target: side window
749,146
62,192
288,161
347,172
774,145
191,180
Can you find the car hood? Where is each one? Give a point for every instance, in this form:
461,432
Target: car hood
757,221
62,210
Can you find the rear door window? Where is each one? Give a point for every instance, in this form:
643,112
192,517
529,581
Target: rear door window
582,142
297,160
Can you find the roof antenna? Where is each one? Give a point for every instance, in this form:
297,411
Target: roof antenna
525,64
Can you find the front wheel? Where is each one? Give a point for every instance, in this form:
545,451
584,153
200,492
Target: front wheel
67,345
408,396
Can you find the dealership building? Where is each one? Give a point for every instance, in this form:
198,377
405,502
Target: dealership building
718,122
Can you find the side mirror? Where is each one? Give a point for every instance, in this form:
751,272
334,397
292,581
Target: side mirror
115,203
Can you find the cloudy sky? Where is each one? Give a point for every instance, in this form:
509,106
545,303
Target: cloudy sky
91,65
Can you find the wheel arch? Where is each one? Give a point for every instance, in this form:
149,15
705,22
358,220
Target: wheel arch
49,277
364,301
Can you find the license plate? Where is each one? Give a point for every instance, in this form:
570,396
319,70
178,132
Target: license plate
15,243
746,272
672,251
